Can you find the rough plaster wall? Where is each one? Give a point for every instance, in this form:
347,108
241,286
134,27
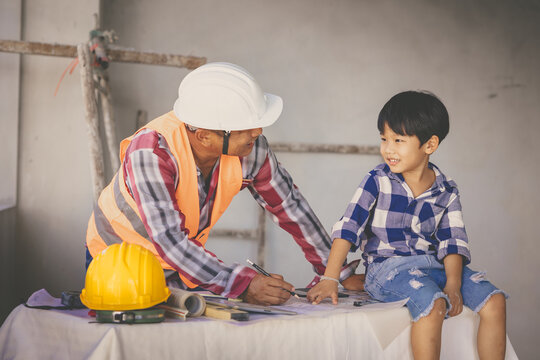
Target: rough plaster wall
54,196
8,300
10,27
335,64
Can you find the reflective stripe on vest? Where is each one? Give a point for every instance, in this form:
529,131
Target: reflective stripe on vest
116,217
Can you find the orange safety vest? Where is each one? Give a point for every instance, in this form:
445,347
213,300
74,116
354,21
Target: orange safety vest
116,217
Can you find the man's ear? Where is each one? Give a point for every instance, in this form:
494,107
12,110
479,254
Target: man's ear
431,145
204,136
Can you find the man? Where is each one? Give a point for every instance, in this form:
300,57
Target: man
180,172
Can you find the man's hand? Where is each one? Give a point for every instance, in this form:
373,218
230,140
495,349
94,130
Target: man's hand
454,294
324,289
264,290
354,282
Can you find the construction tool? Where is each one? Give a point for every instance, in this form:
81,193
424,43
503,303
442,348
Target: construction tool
253,308
145,316
174,312
223,313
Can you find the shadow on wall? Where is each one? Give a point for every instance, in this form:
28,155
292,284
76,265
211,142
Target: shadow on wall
8,273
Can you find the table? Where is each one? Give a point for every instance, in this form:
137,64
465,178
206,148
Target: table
343,333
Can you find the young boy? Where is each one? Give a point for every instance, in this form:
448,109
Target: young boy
406,218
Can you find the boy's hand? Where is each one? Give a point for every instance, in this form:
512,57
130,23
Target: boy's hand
354,282
453,264
454,294
324,289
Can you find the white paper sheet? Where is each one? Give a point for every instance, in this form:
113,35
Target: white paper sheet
43,298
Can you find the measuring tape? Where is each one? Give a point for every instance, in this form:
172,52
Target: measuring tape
72,299
131,317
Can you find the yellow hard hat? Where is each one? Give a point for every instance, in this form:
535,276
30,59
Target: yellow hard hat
124,277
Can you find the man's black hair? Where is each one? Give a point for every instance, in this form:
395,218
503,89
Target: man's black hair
415,113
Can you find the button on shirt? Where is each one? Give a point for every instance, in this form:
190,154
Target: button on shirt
151,174
384,219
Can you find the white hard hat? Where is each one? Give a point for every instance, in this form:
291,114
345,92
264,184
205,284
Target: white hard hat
224,96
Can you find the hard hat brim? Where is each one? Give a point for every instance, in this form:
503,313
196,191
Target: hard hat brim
274,107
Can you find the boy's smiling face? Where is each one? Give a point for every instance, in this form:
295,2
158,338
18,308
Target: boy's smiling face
403,153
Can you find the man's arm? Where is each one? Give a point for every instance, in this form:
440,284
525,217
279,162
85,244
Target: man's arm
151,175
273,188
329,287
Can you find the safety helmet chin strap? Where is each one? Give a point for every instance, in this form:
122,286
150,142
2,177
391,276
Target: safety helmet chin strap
226,135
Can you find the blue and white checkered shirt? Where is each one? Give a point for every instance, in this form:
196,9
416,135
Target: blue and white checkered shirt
384,219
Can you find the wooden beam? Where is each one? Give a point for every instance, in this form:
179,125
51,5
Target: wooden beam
233,233
261,236
108,120
92,120
113,53
36,48
325,148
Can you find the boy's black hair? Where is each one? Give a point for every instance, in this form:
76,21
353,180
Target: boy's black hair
415,113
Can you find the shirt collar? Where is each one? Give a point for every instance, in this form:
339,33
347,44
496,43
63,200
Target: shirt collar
441,183
440,179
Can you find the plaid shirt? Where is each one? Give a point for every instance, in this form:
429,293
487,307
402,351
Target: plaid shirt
151,174
384,219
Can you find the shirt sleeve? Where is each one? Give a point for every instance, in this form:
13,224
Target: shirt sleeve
273,188
354,220
451,232
151,175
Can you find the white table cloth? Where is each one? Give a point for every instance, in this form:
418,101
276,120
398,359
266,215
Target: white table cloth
342,333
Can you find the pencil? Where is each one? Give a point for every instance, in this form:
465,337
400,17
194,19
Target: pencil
265,273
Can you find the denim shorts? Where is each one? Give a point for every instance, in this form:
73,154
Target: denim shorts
421,278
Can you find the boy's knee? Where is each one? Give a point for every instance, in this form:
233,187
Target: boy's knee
494,307
439,308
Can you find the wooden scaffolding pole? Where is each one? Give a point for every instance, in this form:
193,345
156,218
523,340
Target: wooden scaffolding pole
92,119
114,54
95,85
261,236
108,121
326,148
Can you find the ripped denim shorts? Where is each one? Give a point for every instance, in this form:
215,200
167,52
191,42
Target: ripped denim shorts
421,278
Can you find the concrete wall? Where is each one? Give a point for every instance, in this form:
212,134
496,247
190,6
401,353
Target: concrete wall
10,28
8,300
54,191
334,64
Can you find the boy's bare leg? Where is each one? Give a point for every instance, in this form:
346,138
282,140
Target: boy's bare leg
426,333
491,336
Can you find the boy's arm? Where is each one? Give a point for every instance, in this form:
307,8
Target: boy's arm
451,232
453,266
353,222
329,287
453,251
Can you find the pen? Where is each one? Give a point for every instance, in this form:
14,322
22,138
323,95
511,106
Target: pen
265,273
